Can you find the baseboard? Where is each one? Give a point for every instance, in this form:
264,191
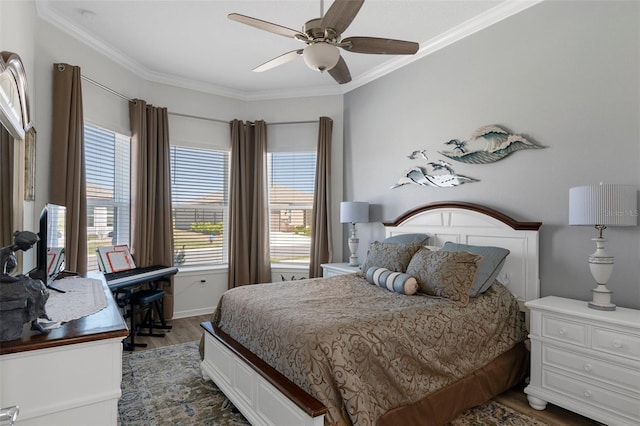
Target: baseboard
193,312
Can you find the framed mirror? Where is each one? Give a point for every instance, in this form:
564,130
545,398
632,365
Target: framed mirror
14,100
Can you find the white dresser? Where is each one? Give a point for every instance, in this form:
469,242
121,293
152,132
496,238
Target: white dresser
585,360
70,376
332,269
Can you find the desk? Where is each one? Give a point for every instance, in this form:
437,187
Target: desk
69,375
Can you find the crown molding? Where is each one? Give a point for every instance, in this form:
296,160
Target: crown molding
496,14
47,14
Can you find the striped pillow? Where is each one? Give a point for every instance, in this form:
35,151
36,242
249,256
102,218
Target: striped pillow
393,281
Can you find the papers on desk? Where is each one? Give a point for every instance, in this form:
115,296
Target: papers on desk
46,324
115,258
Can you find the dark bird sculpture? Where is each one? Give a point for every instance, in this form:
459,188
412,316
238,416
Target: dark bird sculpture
459,145
441,165
415,154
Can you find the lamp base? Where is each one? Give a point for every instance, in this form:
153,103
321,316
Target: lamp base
353,243
602,299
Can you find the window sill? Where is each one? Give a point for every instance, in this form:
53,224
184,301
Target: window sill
288,267
222,268
202,268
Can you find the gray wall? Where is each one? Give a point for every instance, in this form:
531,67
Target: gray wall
566,75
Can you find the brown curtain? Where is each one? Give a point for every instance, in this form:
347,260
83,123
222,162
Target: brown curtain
6,188
249,255
321,250
152,233
67,162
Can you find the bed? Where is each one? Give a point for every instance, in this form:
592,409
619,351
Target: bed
340,351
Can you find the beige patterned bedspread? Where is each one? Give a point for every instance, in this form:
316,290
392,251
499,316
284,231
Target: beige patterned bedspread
361,349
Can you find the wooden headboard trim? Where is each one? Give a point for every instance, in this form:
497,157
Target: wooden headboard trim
512,223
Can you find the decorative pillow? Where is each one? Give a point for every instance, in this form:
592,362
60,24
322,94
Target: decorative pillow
407,239
393,281
394,257
492,260
444,273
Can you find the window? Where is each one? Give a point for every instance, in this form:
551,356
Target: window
291,189
108,166
200,194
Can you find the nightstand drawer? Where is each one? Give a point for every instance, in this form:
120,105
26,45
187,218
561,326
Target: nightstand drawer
616,343
565,331
593,368
591,394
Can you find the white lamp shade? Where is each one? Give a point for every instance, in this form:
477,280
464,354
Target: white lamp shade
321,56
604,204
354,212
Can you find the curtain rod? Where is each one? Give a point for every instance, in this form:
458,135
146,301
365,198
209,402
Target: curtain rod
108,89
197,117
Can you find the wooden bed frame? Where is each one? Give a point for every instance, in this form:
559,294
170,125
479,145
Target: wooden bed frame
266,397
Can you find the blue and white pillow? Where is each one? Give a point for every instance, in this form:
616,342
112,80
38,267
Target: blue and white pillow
392,281
493,259
412,238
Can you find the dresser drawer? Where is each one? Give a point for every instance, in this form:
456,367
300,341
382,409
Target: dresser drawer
592,395
616,343
563,330
602,370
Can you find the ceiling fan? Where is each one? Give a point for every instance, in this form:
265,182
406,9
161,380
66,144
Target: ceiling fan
322,36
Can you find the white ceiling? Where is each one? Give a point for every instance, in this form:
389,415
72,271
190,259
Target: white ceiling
193,44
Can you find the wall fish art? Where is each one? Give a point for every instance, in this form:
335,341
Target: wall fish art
488,144
442,175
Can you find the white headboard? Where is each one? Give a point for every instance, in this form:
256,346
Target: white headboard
473,224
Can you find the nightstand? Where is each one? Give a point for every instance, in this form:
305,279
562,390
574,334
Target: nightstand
332,269
585,360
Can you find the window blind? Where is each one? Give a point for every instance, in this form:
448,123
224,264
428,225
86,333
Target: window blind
200,194
108,181
291,189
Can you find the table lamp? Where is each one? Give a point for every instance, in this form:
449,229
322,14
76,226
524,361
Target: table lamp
602,206
354,212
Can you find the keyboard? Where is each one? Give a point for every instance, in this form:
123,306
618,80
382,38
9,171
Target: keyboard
122,279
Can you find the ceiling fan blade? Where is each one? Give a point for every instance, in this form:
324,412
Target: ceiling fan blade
341,14
381,46
340,72
279,60
266,26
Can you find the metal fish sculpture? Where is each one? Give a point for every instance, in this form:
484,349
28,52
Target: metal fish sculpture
488,144
418,176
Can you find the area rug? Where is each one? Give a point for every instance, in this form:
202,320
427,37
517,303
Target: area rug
165,387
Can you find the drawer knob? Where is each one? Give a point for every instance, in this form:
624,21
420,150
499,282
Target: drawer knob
587,393
616,344
587,367
562,331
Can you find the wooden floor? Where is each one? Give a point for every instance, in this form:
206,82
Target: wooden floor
188,329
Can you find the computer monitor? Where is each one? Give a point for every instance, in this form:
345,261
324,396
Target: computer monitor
50,249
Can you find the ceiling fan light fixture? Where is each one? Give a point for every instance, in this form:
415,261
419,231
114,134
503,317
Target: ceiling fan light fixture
321,56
